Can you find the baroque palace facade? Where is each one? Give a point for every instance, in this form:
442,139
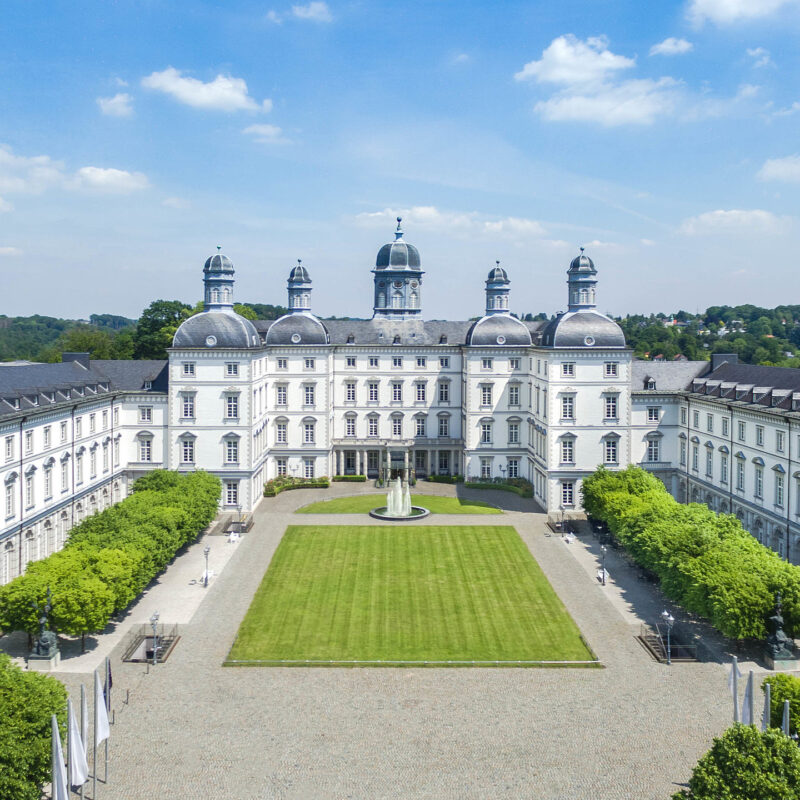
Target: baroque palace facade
493,398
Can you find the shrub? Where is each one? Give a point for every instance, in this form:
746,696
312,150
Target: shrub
445,478
783,687
745,763
350,478
285,482
706,562
27,702
516,485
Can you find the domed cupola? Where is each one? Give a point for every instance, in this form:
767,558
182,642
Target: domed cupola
299,326
218,325
398,278
497,290
582,325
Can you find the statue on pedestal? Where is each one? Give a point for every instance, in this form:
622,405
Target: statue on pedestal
46,645
779,645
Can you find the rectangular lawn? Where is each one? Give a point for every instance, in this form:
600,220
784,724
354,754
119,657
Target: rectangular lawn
407,594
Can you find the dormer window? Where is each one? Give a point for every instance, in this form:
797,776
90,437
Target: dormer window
650,384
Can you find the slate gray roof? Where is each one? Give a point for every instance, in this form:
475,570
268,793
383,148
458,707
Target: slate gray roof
749,374
398,255
230,330
131,376
218,263
499,330
297,328
390,331
573,328
670,376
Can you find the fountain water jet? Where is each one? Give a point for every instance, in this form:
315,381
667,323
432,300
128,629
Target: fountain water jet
398,503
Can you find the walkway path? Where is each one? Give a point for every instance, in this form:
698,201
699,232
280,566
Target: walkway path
193,729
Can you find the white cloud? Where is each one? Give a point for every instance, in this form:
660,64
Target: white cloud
725,12
671,47
787,112
464,222
224,93
460,58
10,251
266,134
568,60
735,220
313,12
647,242
760,56
274,16
120,105
781,169
27,175
175,202
109,181
635,102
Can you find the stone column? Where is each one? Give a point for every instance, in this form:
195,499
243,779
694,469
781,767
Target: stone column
406,473
364,461
338,462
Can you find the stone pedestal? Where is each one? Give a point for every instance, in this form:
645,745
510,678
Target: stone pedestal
44,663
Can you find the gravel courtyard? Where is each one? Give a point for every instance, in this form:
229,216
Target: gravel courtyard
194,729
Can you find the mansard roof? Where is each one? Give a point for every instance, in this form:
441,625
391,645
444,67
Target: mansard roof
770,387
669,376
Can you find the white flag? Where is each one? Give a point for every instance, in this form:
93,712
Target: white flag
59,790
84,720
734,669
78,766
747,703
101,730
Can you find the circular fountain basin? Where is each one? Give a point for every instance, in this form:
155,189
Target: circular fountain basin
417,512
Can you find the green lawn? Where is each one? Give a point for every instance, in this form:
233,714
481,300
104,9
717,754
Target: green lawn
405,593
363,503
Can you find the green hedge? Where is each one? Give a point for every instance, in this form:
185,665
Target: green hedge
445,478
783,687
705,561
285,482
517,485
110,557
350,478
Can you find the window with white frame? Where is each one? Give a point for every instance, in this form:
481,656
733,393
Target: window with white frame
373,362
513,468
281,432
759,435
280,466
695,419
309,364
610,451
231,451
397,362
568,407
513,394
420,423
683,416
421,392
282,363
350,362
758,484
611,406
778,489
695,457
48,482
188,369
145,414
683,452
742,431
187,451
653,450
779,441
28,442
513,363
145,449
709,462
486,363
397,426
397,392
422,362
725,426
10,496
115,415
309,394
444,426
567,451
308,467
444,392
611,369
78,427
513,432
349,426
29,495
486,394
740,475
444,362
232,493
372,387
486,432
64,476
187,406
350,391
653,413
231,369
723,468
105,420
281,395
93,462
116,452
92,423
710,423
308,432
232,406
568,369
486,468
46,431
372,426
567,494
9,448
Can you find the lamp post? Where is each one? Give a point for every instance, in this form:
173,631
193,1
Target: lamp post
503,471
154,623
206,551
603,549
669,621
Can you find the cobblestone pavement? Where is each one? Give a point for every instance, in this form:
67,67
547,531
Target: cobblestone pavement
631,731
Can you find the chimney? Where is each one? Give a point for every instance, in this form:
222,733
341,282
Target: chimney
79,358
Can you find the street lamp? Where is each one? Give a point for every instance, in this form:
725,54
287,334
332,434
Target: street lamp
669,621
206,551
154,623
603,549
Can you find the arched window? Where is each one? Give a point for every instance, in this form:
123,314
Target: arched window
47,543
397,299
381,300
414,299
215,295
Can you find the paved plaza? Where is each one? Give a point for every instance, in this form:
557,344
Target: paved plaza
193,729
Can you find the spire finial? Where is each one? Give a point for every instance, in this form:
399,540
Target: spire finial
497,261
219,247
299,260
398,234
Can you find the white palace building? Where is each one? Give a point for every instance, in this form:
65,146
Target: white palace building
545,401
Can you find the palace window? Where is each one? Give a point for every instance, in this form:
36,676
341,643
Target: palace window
653,450
231,451
9,448
309,394
281,394
46,436
188,369
513,363
187,451
422,362
611,406
486,432
145,414
64,476
145,453
486,363
709,462
28,442
610,451
567,451
742,431
567,494
683,416
29,496
724,426
372,426
350,362
740,476
695,419
683,452
779,441
397,392
568,369
444,427
759,435
421,392
723,468
92,423
397,362
78,426
373,362
350,391
232,493
486,468
513,432
710,423
308,432
281,433
10,505
568,407
187,403
444,392
513,395
397,426
282,363
611,369
48,483
232,406
513,468
308,467
778,490
373,391
420,423
653,413
486,394
695,457
309,364
350,426
759,483
444,362
280,466
232,369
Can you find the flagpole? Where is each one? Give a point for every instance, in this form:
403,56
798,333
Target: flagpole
785,724
767,707
84,723
94,743
752,699
107,698
53,754
67,752
735,673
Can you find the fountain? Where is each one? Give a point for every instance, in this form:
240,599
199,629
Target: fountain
398,504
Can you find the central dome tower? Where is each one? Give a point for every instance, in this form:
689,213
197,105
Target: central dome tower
398,279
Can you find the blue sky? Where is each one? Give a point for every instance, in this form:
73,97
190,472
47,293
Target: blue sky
136,136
